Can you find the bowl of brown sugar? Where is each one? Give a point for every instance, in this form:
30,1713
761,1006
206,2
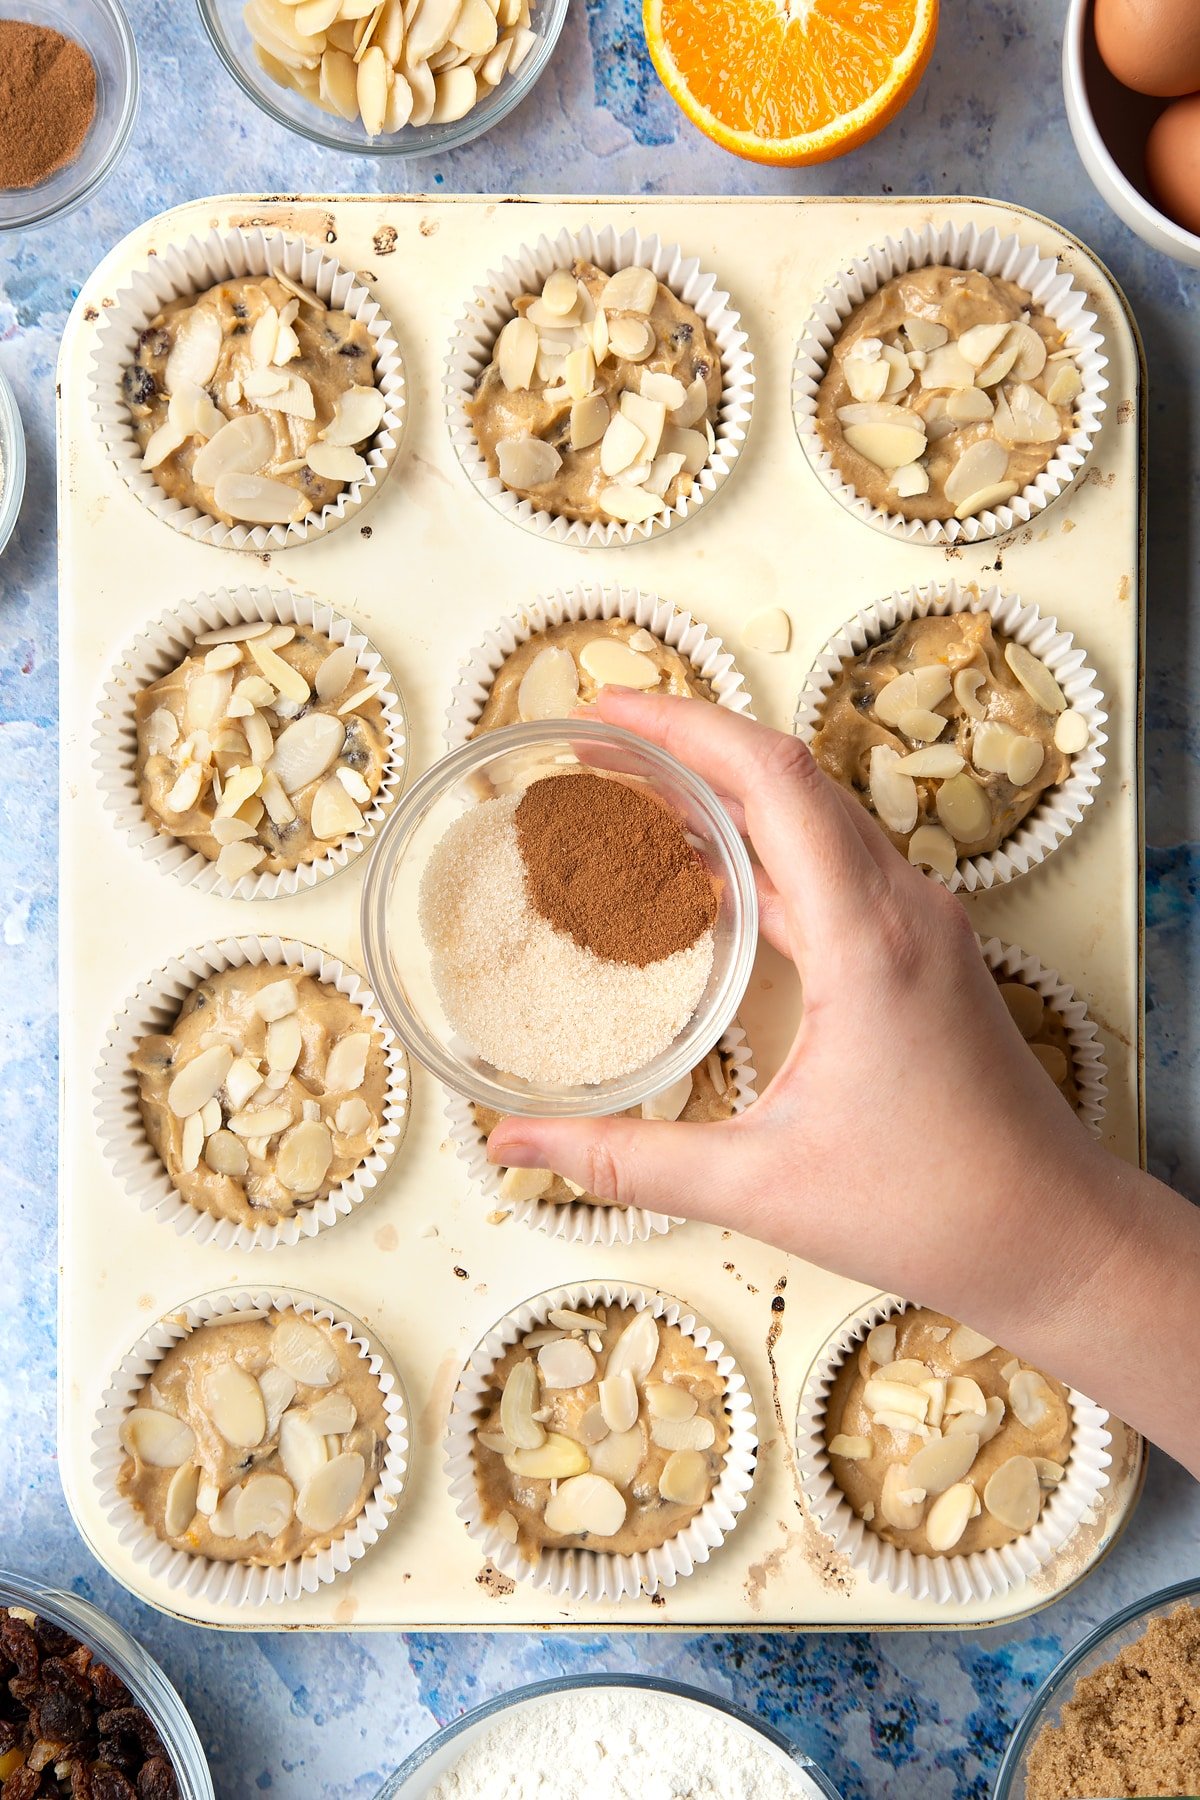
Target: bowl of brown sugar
1120,1713
560,920
68,99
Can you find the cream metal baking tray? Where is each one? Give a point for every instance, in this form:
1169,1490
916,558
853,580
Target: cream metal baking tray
425,570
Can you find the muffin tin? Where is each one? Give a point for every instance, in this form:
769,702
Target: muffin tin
425,570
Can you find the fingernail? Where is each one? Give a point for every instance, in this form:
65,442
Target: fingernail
513,1153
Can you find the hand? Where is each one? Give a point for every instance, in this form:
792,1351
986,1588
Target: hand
910,1137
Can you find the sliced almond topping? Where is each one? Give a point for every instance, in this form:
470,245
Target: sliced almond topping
195,351
556,1459
550,686
888,446
302,1448
305,749
1066,385
966,1345
516,354
589,421
1049,1473
965,1396
240,785
936,1388
619,1401
865,370
947,367
671,1400
1035,677
909,1369
925,334
1071,732
637,1347
527,462
986,498
650,418
669,1102
1013,1494
517,1403
1023,416
683,1434
694,406
981,465
243,1080
158,1439
896,698
353,1116
1025,758
305,1154
289,681
629,290
198,1080
239,860
964,809
881,1343
507,1526
233,1401
623,443
950,1515
665,390
336,462
969,406
226,1155
854,1449
632,340
347,1063
334,814
910,480
967,683
327,1497
901,1501
579,372
525,1184
769,631
357,416
631,505
304,1352
980,342
566,1364
561,293
938,1465
932,847
221,1519
897,1397
180,1506
984,1426
935,761
684,1480
1030,1398
893,794
693,446
277,999
585,1506
185,790
620,1455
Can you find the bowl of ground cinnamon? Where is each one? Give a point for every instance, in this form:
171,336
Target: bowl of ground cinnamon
559,919
1120,1715
68,99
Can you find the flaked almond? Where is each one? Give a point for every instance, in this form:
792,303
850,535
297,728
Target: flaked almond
347,1063
1023,416
684,1480
589,421
357,416
981,465
947,367
1049,1472
226,1155
697,1433
527,462
304,1352
302,1446
965,1396
1013,1494
334,814
556,1459
158,1439
895,698
305,1154
185,790
866,374
769,631
518,1185
893,794
898,1397
620,1455
983,1425
1065,385
932,847
198,1080
1035,677
239,860
670,1400
888,446
516,354
629,290
910,480
935,762
881,1343
619,1401
195,350
909,1369
328,1497
566,1364
694,406
631,505
1071,732
854,1449
1029,1398
964,809
985,499
585,1506
967,683
336,462
969,406
1000,363
233,1401
966,1345
924,334
179,1508
950,1515
901,1501
1025,759
669,1102
980,342
518,1402
636,1349
632,340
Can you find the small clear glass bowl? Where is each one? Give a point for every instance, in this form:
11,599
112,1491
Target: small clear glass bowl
12,455
1100,1646
396,958
103,30
232,41
125,1657
421,1771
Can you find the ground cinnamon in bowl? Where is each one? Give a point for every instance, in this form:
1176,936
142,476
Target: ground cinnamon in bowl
47,102
1132,1726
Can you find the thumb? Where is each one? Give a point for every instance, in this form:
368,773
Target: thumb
694,1171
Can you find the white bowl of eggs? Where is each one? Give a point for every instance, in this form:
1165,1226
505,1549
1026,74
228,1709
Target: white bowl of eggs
1131,76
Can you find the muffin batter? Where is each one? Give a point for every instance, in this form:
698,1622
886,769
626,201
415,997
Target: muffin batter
284,1099
255,1440
601,1471
997,722
660,670
598,403
220,716
710,1098
261,349
1045,1031
873,1445
903,359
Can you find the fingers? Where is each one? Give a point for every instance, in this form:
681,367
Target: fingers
696,1171
795,816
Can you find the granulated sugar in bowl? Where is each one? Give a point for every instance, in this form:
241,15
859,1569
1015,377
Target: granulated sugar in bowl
607,1737
559,919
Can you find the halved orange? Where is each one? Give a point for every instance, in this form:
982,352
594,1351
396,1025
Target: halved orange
790,81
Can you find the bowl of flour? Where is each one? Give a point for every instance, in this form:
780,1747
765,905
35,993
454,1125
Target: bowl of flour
607,1737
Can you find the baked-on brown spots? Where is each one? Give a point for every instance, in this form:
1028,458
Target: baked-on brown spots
385,240
494,1584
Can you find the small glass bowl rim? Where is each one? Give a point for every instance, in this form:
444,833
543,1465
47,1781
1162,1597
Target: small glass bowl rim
1034,1716
41,214
393,1787
411,141
12,444
696,1039
147,1683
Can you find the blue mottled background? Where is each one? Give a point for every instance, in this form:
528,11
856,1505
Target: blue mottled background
329,1715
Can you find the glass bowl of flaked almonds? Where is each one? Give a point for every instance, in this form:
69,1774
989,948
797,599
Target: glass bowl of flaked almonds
382,77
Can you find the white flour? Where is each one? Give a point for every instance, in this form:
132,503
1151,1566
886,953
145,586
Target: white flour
619,1744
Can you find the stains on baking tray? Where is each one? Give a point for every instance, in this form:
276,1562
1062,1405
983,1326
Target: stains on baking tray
1124,412
658,1598
384,240
427,227
1123,587
494,1584
366,531
90,313
463,1274
761,1572
1105,478
387,1238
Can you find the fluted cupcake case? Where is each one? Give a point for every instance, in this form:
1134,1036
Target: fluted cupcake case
439,586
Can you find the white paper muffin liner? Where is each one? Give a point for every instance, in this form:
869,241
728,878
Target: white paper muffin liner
597,1574
161,647
960,247
948,1580
237,1583
693,641
189,269
526,272
578,1221
154,1007
1060,809
1087,1052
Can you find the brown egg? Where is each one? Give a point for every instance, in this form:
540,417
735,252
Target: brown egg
1173,161
1151,45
